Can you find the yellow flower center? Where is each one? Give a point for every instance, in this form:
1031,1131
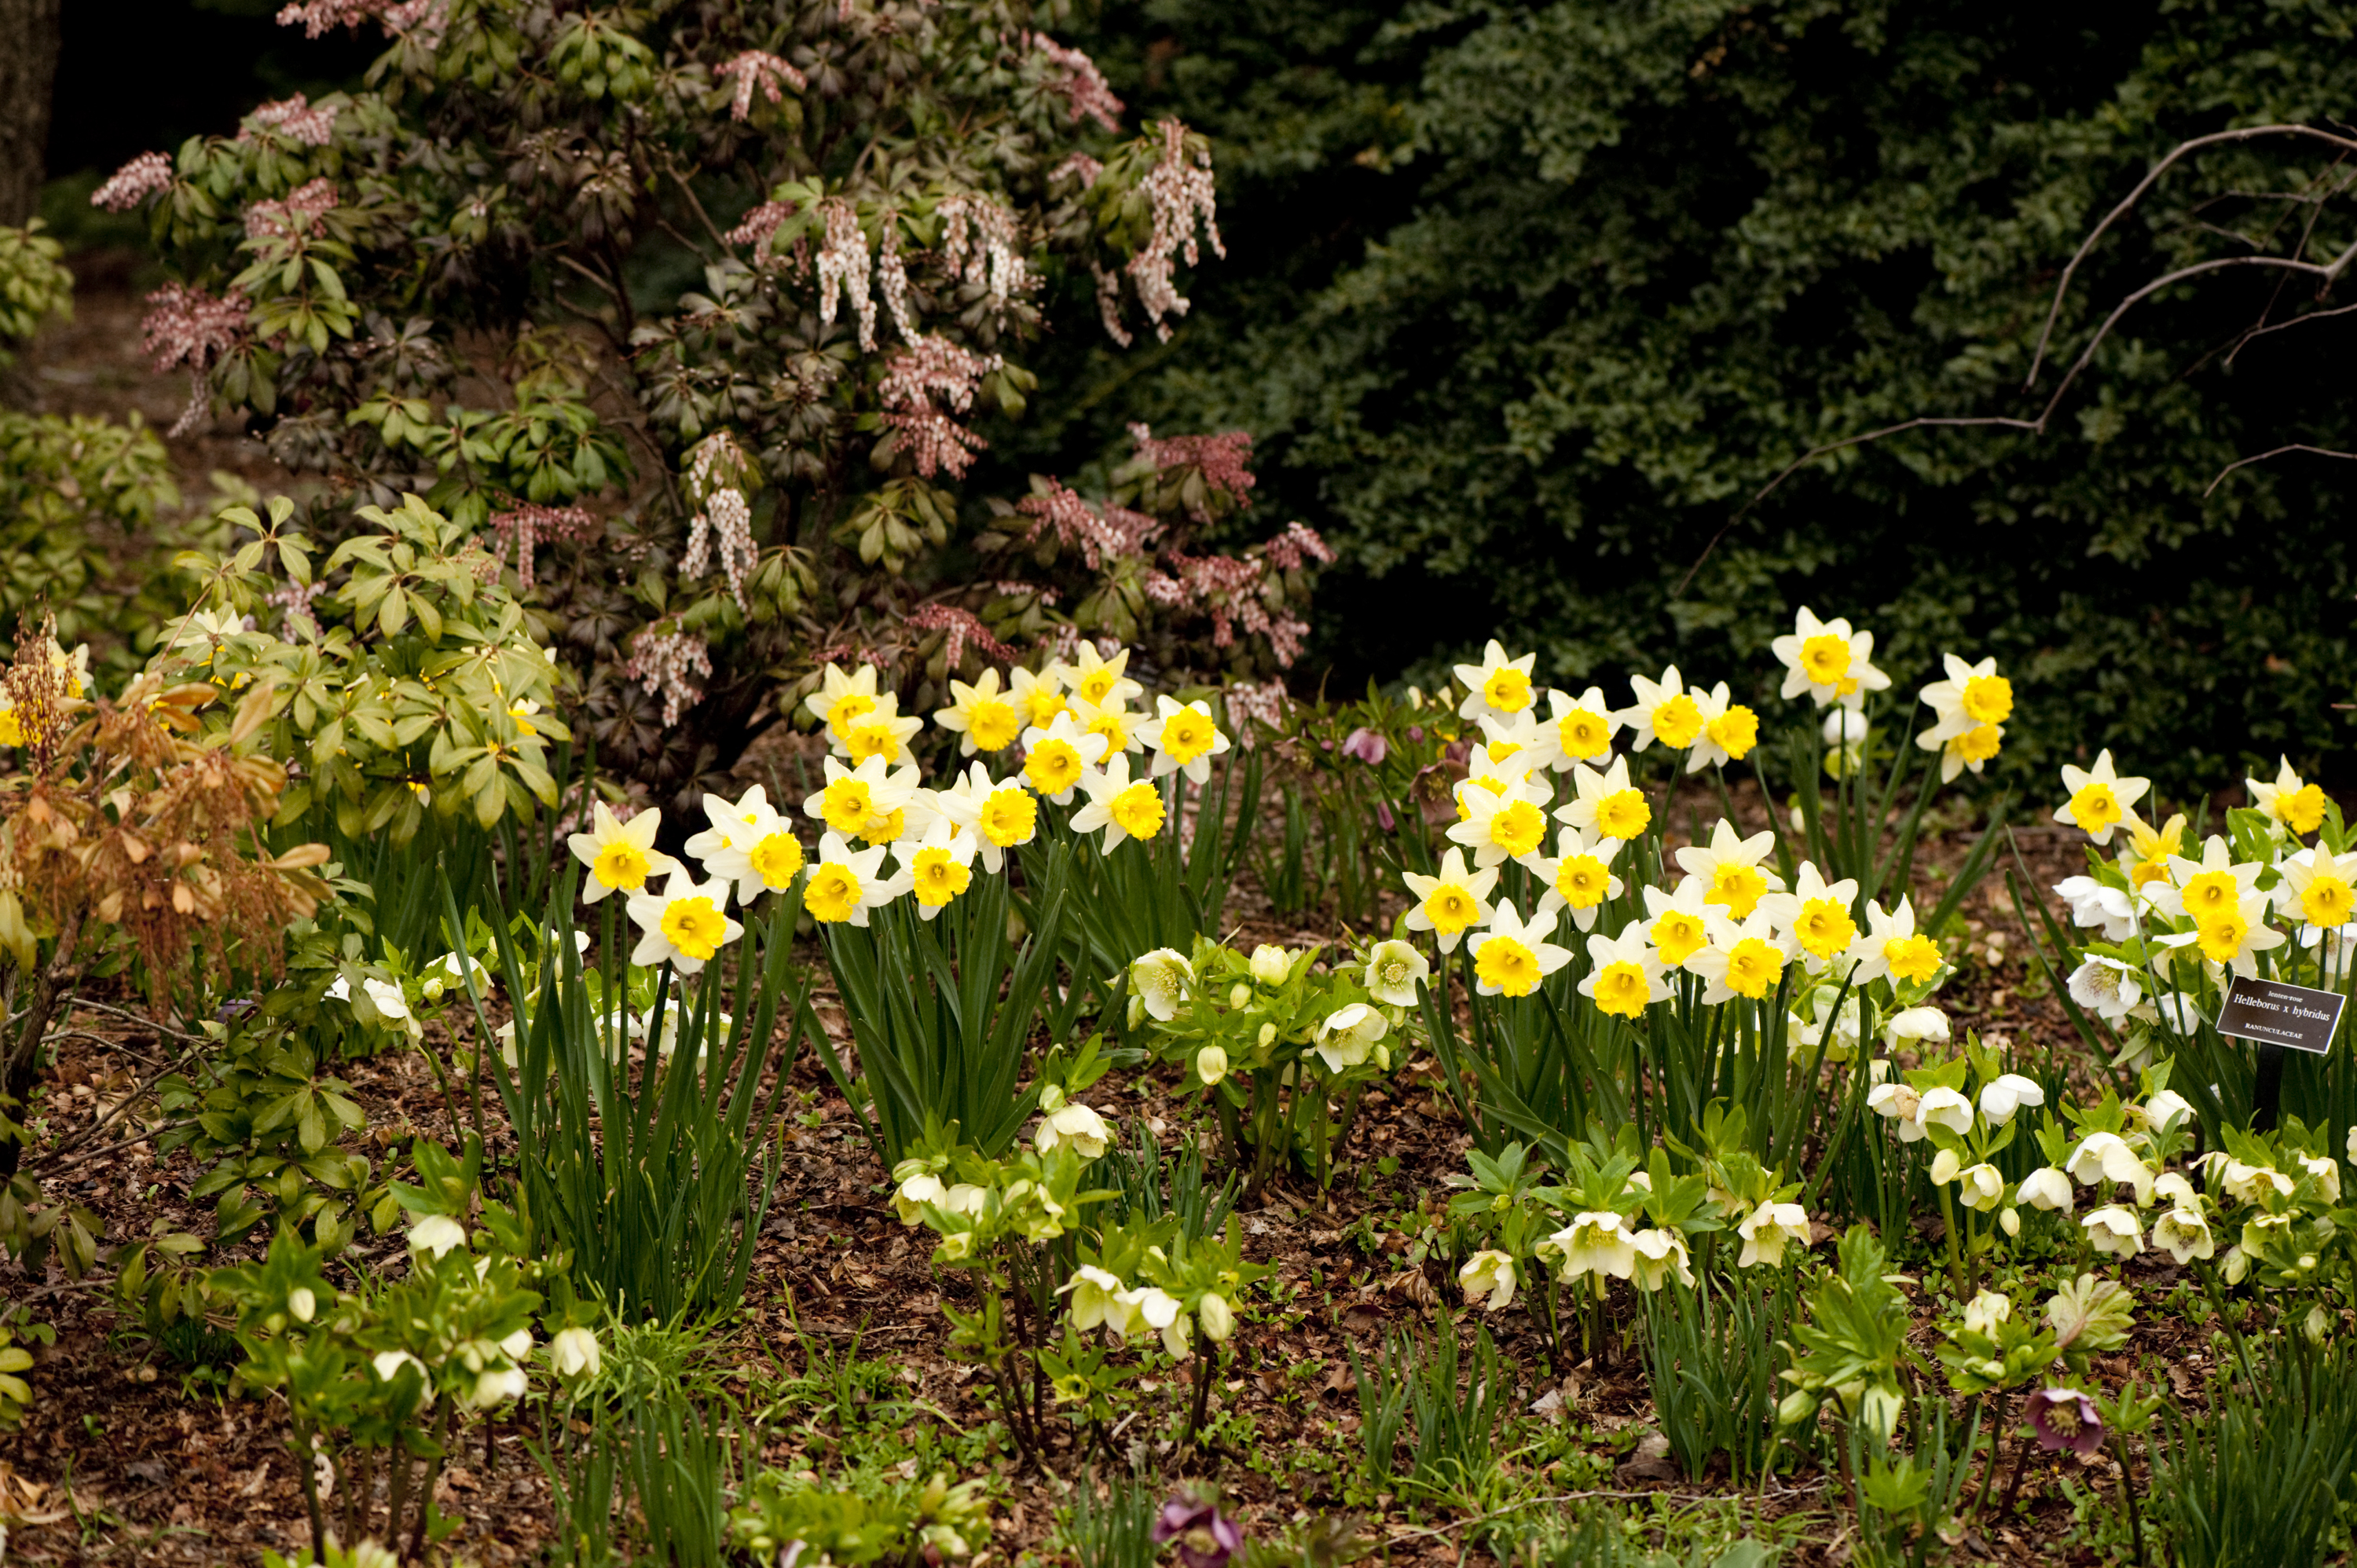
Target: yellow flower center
1736,732
1979,743
2094,807
1188,735
1114,726
1507,965
1054,766
1752,967
1096,684
694,927
1042,704
2210,893
521,714
1737,886
1517,827
1451,907
847,710
884,829
1623,814
1988,699
1583,881
1500,750
938,877
1583,733
1914,959
846,805
1677,721
2155,869
1508,689
834,893
1138,810
12,734
1825,928
2325,901
868,740
1621,990
2222,936
2302,811
1825,659
1009,816
775,860
1677,936
621,865
993,724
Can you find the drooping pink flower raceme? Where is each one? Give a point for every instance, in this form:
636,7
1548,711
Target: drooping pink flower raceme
661,662
934,368
135,182
1103,531
1082,84
757,71
527,527
1180,190
965,630
295,119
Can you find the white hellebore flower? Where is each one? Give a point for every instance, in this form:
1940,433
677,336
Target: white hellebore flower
1348,1034
1160,1310
1218,1319
1098,1299
1900,1102
1916,1024
1161,980
1767,1229
2162,1111
2184,1234
498,1388
1979,1187
437,1233
915,1191
1211,1065
2047,1188
2104,1159
1661,1253
1491,1273
1394,969
388,1365
1986,1310
1597,1241
1945,1107
2115,1230
1076,1124
1271,964
2106,987
575,1351
2006,1094
2094,903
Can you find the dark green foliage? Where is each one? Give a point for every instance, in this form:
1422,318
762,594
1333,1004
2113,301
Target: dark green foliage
1525,301
2257,1481
1712,1354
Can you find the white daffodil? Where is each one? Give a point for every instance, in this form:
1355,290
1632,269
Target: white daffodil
936,868
1663,711
1453,902
855,797
1577,877
844,885
1731,870
842,700
1498,684
1743,959
1583,727
1969,708
620,855
1766,1231
882,732
1815,915
1893,950
1125,807
1001,816
1605,806
1093,679
2008,1093
1729,731
1183,739
1500,820
2100,798
1624,975
1828,660
1394,969
2316,889
2297,806
2098,903
980,715
1491,1274
684,925
1113,721
1513,955
1515,746
1058,756
1678,924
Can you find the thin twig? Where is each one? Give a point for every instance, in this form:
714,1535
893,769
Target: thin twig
2276,451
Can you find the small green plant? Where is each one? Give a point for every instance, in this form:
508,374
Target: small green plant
1113,1531
1715,1354
2257,1481
1455,1404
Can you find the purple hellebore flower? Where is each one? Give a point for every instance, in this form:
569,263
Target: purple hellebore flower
1367,746
1206,1537
2065,1418
1415,733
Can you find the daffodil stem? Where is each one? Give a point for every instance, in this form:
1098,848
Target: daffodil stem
2127,1493
1955,1260
2218,1305
1996,1451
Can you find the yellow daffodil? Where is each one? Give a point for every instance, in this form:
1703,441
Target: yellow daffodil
1056,758
1183,739
846,885
1500,821
1000,816
841,699
1815,915
2297,806
1498,684
1729,731
620,855
981,716
1730,870
1577,877
2317,889
684,925
2100,798
881,732
1969,709
1513,956
1038,698
855,797
1125,807
1583,726
1624,975
1893,950
1828,660
1453,902
936,868
1097,680
1743,959
1605,806
1663,711
1677,924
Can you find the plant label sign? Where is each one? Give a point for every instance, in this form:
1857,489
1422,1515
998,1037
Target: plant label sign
2274,1014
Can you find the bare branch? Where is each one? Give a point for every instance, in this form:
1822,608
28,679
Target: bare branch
2278,452
2251,133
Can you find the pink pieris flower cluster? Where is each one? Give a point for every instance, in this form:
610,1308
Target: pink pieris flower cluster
528,526
294,599
716,471
978,242
760,227
426,17
295,216
757,71
1078,167
661,662
187,326
934,367
1180,189
1109,303
965,630
843,270
295,119
148,175
1299,544
1083,86
1222,459
892,277
1103,533
1264,702
1228,589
